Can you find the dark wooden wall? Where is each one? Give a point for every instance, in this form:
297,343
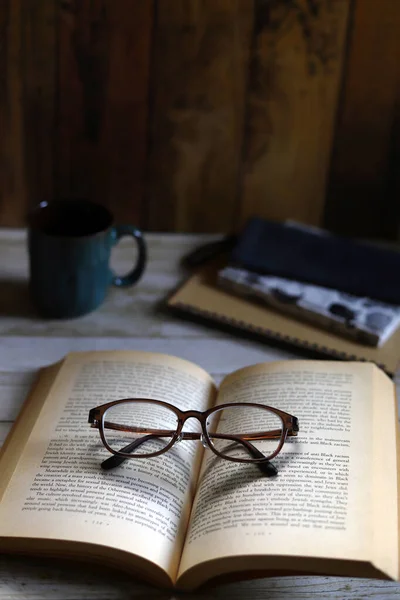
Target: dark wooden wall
191,115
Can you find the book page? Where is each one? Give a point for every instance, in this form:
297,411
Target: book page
332,478
58,490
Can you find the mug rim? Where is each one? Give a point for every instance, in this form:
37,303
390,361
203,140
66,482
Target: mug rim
36,210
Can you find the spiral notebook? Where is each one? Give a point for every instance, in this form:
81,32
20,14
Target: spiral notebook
200,297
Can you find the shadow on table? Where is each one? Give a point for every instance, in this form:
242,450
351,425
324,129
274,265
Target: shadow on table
60,578
56,578
14,299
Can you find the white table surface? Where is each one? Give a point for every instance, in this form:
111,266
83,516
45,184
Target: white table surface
129,319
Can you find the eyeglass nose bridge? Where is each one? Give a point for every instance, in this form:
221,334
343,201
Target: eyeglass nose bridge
193,436
187,435
192,414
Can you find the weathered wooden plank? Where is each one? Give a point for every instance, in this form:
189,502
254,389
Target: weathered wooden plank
361,199
393,190
128,312
36,579
104,53
14,387
39,31
20,358
217,356
12,164
27,98
23,578
126,124
296,64
198,87
4,159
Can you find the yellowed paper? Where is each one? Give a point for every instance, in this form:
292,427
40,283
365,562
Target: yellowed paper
58,490
333,478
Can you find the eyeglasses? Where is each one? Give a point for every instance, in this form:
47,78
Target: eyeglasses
240,432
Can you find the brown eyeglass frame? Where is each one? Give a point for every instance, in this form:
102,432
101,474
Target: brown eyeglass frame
96,420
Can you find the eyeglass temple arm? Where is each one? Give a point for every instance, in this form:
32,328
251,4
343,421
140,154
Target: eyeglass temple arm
114,461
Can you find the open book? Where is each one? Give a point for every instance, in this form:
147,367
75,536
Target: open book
187,516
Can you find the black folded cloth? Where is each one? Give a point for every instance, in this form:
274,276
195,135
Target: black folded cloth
316,256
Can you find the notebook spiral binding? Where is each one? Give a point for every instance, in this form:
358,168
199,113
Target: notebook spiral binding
270,333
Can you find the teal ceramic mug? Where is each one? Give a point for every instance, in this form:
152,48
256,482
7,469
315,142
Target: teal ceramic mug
69,244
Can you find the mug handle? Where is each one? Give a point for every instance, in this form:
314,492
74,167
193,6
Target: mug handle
132,277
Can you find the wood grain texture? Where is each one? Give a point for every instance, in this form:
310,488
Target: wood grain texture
296,65
23,578
22,351
39,80
198,88
192,115
361,198
394,171
27,100
12,169
104,53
